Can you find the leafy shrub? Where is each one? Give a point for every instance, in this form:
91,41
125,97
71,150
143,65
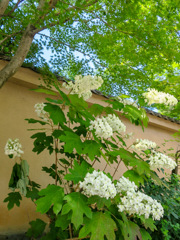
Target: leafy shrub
84,203
169,196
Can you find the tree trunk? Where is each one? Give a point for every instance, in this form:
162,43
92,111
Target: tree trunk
3,6
21,53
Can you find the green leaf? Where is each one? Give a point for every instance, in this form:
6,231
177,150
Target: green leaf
77,203
144,234
56,113
134,176
72,140
156,178
63,95
99,226
21,184
43,90
125,155
115,104
125,229
42,141
15,176
78,173
135,231
100,202
13,198
96,109
57,101
36,229
63,221
92,149
141,166
32,120
33,194
57,133
148,223
79,103
51,195
137,116
25,167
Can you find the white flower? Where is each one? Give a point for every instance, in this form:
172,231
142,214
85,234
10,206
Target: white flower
97,183
153,96
143,144
115,123
39,109
13,147
125,185
102,128
105,126
160,160
83,85
136,202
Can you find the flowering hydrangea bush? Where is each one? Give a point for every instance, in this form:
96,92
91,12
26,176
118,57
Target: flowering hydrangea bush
41,113
143,144
83,85
154,96
105,126
141,204
160,160
97,183
82,196
136,202
13,148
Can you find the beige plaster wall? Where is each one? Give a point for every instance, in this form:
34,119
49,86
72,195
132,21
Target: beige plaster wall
16,104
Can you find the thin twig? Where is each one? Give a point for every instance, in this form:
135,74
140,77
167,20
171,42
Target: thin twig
105,167
116,168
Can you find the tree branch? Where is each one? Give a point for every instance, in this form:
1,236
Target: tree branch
18,59
8,36
14,8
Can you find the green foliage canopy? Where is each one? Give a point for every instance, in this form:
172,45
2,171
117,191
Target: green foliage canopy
131,44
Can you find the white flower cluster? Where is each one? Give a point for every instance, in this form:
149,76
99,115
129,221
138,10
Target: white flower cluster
127,102
97,183
124,185
143,144
115,123
105,126
39,109
160,160
153,96
83,85
141,204
13,147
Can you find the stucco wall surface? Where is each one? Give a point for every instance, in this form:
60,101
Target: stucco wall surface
17,103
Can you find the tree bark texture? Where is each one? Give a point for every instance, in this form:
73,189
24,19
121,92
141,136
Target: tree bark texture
18,59
3,6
